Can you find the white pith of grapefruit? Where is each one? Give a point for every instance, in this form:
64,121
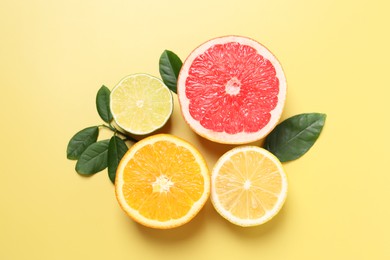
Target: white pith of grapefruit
231,90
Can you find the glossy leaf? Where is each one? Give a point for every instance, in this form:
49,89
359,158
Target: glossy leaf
170,65
103,104
80,141
295,136
116,149
93,159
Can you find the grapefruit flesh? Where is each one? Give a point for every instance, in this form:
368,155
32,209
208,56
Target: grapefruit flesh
232,90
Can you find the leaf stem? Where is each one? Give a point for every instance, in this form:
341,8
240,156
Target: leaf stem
116,131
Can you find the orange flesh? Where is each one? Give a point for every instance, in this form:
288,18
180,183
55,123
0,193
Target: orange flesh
162,181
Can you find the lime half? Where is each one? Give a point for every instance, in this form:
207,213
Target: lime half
141,104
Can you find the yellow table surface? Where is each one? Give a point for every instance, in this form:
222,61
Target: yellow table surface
55,55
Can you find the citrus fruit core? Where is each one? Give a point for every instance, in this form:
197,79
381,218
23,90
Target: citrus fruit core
231,90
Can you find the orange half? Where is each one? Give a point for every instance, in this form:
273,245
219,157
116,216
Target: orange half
162,182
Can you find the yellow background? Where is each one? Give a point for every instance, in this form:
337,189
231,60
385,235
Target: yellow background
54,56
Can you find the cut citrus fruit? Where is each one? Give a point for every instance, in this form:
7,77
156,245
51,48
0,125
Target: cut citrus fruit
162,182
231,90
248,186
141,104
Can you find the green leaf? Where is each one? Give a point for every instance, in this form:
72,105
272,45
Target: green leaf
116,149
80,141
170,65
295,136
93,159
103,104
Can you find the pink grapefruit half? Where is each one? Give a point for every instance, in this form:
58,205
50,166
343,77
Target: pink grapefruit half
231,90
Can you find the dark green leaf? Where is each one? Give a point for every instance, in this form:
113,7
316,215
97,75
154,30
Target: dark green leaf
295,136
93,159
116,149
80,141
170,65
103,104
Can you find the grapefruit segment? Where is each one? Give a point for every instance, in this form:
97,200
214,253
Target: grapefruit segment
231,90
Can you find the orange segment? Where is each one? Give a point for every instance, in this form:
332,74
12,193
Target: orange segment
249,186
162,182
